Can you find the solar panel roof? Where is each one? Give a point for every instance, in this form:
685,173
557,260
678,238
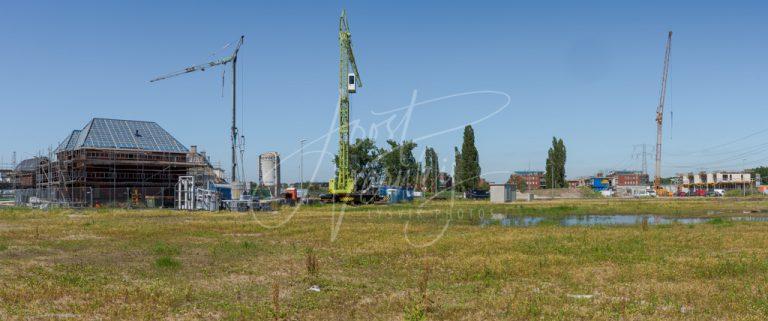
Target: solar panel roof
30,164
122,134
69,142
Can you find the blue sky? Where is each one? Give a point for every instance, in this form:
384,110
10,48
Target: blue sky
586,71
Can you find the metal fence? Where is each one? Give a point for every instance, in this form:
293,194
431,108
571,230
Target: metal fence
128,197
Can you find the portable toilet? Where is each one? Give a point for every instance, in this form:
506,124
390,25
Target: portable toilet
382,191
408,194
393,195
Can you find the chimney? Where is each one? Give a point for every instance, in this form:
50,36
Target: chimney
193,149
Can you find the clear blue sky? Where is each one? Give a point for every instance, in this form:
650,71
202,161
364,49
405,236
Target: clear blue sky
586,71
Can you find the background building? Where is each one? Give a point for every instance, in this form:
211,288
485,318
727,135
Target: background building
203,171
26,173
628,178
445,180
6,178
533,179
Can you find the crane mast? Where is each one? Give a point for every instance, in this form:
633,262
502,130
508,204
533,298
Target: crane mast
220,62
660,115
343,185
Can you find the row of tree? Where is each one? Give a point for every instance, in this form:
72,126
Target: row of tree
762,171
372,165
554,174
396,165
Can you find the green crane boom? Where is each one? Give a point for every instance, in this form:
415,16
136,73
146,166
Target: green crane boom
344,184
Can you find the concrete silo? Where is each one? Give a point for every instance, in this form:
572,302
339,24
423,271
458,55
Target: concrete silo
269,172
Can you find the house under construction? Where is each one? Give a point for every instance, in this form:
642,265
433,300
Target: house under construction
117,162
717,180
24,175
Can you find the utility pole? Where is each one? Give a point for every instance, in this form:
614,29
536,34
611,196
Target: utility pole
301,164
645,161
743,171
13,175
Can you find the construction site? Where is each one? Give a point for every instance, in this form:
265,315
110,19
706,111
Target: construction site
138,164
450,161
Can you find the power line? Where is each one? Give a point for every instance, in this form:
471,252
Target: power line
752,152
765,130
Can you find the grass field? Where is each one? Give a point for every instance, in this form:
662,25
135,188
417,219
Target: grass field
383,263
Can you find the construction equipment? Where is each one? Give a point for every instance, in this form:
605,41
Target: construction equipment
660,191
202,67
343,185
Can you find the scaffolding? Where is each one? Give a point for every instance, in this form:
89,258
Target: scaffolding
113,173
113,163
190,197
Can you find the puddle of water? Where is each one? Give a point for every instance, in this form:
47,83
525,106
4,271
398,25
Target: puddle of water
606,220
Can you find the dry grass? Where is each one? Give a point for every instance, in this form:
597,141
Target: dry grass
167,265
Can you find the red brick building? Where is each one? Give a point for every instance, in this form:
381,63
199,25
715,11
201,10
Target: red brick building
532,179
628,178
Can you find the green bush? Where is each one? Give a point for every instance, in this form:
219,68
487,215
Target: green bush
415,313
166,249
588,192
738,193
167,262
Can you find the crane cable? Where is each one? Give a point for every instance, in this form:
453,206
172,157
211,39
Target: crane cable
242,120
223,75
669,102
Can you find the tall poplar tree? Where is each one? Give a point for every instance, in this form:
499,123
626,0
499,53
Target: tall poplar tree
555,166
457,176
470,161
431,170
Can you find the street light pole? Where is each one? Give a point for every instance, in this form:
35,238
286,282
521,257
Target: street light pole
301,164
743,171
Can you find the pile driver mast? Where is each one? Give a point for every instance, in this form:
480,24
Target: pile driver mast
343,185
202,67
659,119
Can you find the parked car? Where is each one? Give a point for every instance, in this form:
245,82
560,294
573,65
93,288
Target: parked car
700,192
681,194
719,191
646,193
477,194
